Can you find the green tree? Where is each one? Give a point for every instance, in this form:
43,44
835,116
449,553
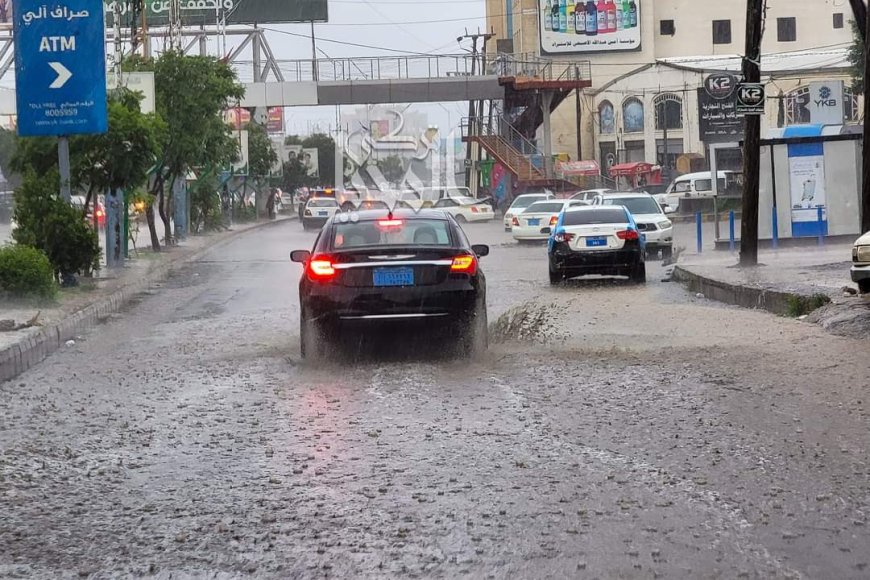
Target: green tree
261,157
295,175
325,146
192,92
393,169
856,60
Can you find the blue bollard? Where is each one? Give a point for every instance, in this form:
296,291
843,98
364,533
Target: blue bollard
775,224
821,221
731,230
699,224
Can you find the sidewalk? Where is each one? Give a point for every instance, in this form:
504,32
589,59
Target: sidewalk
782,277
77,309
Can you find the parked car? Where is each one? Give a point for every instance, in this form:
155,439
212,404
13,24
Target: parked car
650,218
589,194
466,209
532,224
861,263
95,208
520,204
596,240
394,269
693,185
317,212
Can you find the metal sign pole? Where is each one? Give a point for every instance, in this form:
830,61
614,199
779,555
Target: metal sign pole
63,165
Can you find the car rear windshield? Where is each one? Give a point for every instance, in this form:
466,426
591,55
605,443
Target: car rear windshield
599,215
545,207
521,202
395,232
322,203
636,205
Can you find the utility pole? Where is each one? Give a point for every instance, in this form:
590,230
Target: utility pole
314,73
579,113
752,138
473,126
865,166
860,12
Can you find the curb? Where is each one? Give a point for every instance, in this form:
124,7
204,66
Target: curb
27,353
775,301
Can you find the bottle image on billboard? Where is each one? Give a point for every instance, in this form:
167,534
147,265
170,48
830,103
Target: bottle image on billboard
591,18
548,16
563,15
620,22
601,8
579,17
611,16
632,14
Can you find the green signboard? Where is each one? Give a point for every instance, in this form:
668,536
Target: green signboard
205,12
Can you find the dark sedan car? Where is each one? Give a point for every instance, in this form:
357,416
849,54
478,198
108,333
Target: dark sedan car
374,268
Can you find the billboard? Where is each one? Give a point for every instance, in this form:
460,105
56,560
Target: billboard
201,12
825,103
5,14
718,120
569,27
275,120
309,157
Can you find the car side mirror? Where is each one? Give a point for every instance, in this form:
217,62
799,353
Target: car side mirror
480,249
300,256
547,230
668,209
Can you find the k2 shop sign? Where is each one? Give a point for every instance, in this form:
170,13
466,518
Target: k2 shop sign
750,99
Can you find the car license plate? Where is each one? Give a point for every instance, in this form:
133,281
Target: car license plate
394,277
534,222
596,242
322,213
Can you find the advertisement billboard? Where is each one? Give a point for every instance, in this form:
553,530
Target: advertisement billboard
569,27
201,12
5,14
718,120
309,157
275,120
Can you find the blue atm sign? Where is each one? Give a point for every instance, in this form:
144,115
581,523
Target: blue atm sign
60,67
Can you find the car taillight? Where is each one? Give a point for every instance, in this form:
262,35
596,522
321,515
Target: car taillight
464,265
320,268
564,237
628,235
390,224
515,222
99,213
474,209
554,220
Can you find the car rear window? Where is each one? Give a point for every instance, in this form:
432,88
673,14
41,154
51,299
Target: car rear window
599,215
395,232
322,203
522,202
636,205
545,207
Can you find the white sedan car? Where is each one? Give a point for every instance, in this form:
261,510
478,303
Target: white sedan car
535,221
861,263
466,209
651,219
520,204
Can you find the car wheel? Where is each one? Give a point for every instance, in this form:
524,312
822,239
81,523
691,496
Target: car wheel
312,340
461,219
667,253
638,274
556,278
476,333
864,286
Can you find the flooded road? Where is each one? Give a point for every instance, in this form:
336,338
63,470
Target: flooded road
612,431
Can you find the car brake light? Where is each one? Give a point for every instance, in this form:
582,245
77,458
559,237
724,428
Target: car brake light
628,235
99,213
390,223
553,220
320,268
464,265
564,237
515,222
474,209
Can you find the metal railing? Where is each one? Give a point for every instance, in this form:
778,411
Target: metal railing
484,127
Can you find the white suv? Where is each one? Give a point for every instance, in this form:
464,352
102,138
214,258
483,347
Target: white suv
651,219
861,263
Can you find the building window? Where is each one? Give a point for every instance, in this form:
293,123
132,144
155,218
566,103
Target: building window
632,115
838,20
669,112
606,118
786,29
721,32
666,27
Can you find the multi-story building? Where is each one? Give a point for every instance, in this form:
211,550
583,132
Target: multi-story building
649,58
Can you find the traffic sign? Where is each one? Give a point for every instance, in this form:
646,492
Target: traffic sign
60,67
750,99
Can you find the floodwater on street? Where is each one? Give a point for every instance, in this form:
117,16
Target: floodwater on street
611,431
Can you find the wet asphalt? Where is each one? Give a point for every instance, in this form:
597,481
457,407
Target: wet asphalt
612,431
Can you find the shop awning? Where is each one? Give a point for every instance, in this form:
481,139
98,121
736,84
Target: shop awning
630,169
578,168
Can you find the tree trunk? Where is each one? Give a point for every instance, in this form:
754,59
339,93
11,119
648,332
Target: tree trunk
164,216
860,12
752,138
152,227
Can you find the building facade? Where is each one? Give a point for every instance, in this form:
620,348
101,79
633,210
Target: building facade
643,104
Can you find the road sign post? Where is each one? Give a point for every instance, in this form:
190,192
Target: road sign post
63,167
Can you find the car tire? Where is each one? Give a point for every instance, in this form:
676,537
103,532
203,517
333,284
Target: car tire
638,274
556,278
667,253
312,340
864,286
475,335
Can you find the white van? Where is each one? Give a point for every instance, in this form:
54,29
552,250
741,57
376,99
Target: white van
692,185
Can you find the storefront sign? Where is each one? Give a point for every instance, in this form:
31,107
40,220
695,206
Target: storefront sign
569,27
717,118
